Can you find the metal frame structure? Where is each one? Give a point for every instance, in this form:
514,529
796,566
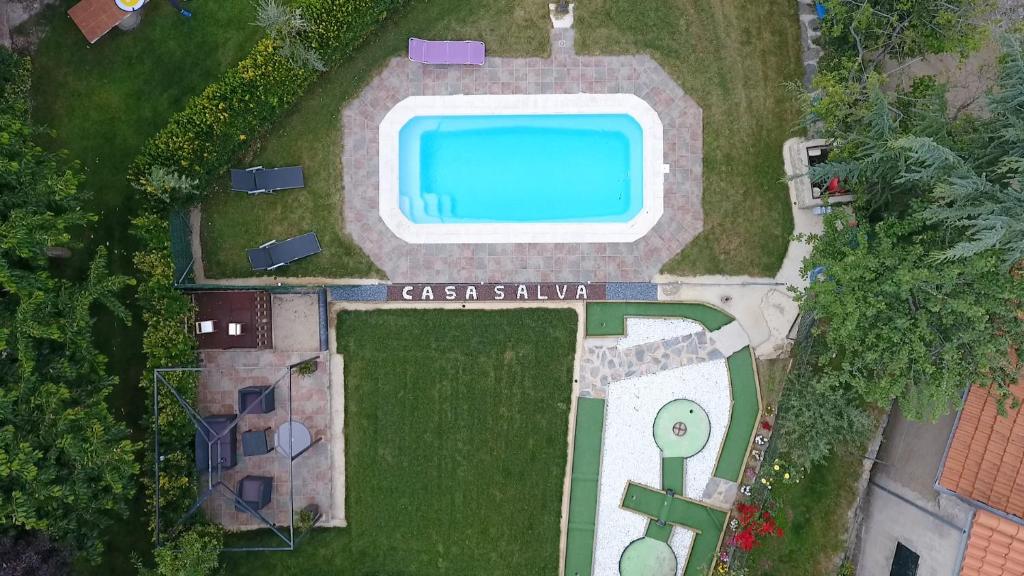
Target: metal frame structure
214,485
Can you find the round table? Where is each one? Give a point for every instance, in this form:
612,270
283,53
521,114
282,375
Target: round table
292,438
129,5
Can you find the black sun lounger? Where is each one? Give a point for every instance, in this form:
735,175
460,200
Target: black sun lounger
258,179
274,253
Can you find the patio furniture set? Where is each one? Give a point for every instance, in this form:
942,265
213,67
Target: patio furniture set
210,326
216,443
260,180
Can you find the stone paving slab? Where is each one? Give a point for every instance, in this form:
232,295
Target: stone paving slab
564,73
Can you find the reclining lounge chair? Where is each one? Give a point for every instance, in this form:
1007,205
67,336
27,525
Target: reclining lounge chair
258,180
274,254
446,51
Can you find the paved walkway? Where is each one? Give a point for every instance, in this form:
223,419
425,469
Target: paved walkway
564,73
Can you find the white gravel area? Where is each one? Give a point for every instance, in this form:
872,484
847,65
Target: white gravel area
628,452
646,330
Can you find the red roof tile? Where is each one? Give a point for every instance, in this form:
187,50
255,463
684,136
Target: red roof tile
985,461
995,547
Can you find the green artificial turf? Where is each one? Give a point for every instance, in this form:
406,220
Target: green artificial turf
311,136
455,446
745,412
733,57
609,318
103,102
586,467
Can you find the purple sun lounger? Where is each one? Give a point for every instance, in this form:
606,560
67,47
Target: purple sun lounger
446,51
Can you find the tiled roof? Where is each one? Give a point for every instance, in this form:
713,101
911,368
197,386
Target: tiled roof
96,17
995,548
986,456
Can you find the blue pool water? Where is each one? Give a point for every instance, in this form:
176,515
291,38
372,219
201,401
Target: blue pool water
518,169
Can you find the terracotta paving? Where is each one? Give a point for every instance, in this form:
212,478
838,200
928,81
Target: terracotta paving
96,17
986,456
564,73
995,547
311,481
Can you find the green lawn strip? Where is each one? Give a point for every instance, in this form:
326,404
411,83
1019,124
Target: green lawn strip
745,411
733,57
673,474
609,318
682,512
310,136
661,533
103,101
586,467
455,439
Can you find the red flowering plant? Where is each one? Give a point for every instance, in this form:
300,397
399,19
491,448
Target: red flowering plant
753,524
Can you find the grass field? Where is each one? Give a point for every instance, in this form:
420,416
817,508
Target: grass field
455,439
731,56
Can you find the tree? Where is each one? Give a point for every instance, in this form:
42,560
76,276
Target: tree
866,125
899,325
873,30
194,553
66,465
976,189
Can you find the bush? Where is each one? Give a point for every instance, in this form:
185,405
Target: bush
166,343
194,553
215,127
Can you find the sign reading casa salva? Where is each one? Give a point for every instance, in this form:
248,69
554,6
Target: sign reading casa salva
496,292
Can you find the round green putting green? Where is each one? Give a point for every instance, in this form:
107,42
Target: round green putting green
647,557
681,429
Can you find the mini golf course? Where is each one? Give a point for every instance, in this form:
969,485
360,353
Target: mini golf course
681,430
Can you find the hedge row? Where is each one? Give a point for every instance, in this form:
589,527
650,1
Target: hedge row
167,342
214,128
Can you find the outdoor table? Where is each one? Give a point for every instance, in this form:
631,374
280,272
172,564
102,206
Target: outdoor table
292,438
129,5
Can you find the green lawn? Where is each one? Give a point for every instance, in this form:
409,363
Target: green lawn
814,517
311,136
104,101
455,437
732,57
752,49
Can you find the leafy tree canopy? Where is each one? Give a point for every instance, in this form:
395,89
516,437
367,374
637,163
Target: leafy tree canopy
900,325
66,465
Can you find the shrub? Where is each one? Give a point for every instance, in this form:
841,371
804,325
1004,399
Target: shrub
167,342
215,127
193,553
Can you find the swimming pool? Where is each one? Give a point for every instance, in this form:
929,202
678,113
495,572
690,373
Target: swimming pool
521,168
551,168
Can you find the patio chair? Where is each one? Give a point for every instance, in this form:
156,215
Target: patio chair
255,492
257,442
205,327
258,180
275,254
221,452
251,400
446,51
234,328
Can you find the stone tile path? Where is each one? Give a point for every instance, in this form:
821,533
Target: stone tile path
312,473
604,362
565,72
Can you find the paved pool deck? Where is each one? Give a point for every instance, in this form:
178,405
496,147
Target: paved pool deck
565,72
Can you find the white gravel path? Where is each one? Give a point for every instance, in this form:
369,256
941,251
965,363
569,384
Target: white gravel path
645,330
628,452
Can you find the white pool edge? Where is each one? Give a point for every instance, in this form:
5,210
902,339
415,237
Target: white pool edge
519,233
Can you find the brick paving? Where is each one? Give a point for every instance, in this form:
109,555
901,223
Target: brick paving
564,73
312,472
